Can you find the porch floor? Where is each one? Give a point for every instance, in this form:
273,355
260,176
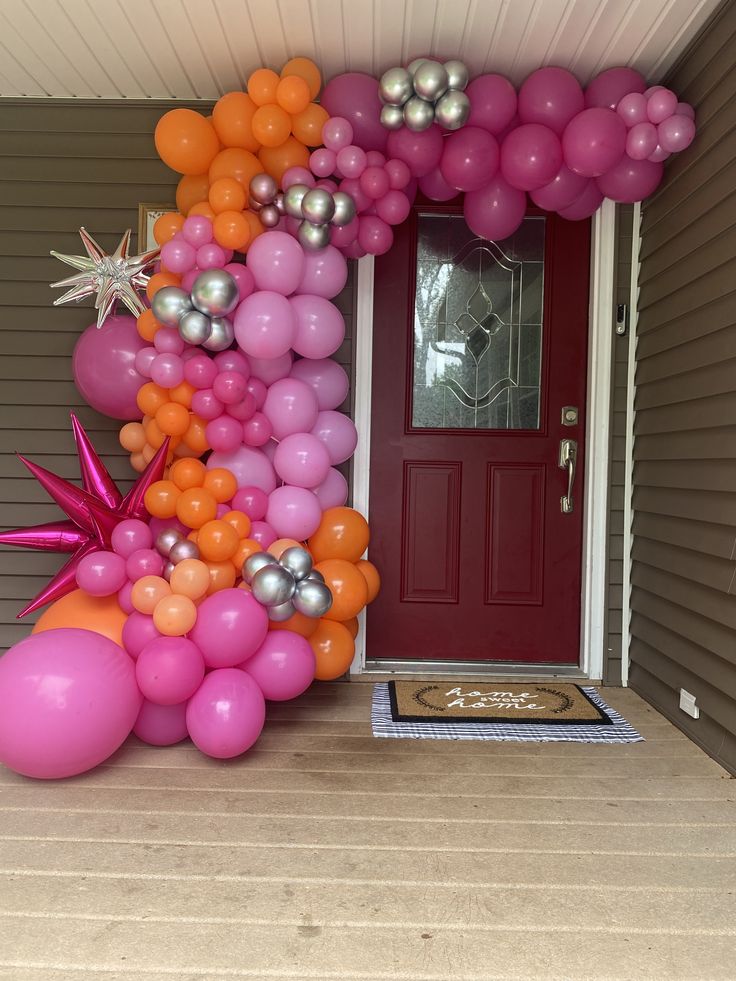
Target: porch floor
326,853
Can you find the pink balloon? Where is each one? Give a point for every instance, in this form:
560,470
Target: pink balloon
531,155
244,409
230,387
168,341
435,187
291,406
224,434
104,369
492,102
144,359
333,492
345,235
257,430
161,725
144,562
206,406
276,261
676,133
200,371
138,630
375,182
685,109
661,104
325,273
257,388
658,155
337,431
103,573
231,626
293,512
351,161
328,379
169,670
211,256
588,202
263,534
337,133
495,211
374,235
551,97
399,174
269,370
561,191
250,467
631,180
594,142
130,535
243,277
469,159
124,597
421,152
225,717
167,370
354,250
297,175
354,97
633,109
252,501
641,140
302,460
607,89
322,162
375,158
351,186
233,361
178,255
68,700
393,207
283,666
264,322
320,327
197,230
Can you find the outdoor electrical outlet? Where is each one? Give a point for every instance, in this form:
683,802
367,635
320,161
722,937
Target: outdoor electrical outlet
687,704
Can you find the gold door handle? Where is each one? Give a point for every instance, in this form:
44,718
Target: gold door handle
567,461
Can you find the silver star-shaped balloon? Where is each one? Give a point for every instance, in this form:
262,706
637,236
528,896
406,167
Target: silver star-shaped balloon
111,277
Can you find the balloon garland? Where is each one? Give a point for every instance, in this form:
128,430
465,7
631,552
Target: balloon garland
232,573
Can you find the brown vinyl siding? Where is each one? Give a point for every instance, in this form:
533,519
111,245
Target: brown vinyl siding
684,553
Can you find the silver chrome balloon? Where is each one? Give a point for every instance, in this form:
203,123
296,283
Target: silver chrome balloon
282,612
413,65
185,549
168,569
418,114
273,585
269,215
344,208
313,237
312,598
392,117
316,575
215,293
457,74
222,336
278,203
166,539
263,188
254,205
293,200
169,304
256,561
452,110
195,327
297,561
318,206
395,87
430,80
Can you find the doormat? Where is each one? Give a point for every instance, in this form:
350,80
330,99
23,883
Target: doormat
546,712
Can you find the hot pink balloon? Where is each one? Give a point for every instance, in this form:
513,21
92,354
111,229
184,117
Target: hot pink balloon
325,273
129,536
641,141
469,159
161,725
333,492
633,109
493,102
243,278
276,261
676,133
244,409
264,322
354,97
551,97
103,573
399,174
495,211
138,630
291,406
144,562
302,460
257,388
607,89
374,235
588,203
531,155
283,666
328,379
375,182
251,467
435,187
337,431
421,152
257,430
206,406
342,237
233,361
252,501
393,207
320,327
169,670
200,371
224,434
661,104
631,180
594,142
231,626
565,188
293,512
103,364
230,387
226,715
125,601
263,534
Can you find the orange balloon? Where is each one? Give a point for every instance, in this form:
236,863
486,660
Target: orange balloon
186,141
148,453
333,648
246,547
150,398
138,462
297,623
146,593
232,118
222,576
195,507
227,194
277,160
221,483
231,229
160,279
292,94
195,437
348,587
271,125
203,208
278,547
191,189
101,614
307,125
235,162
191,578
262,86
132,437
217,541
167,225
161,499
343,533
188,473
352,625
372,577
148,325
174,615
182,394
240,522
172,419
304,68
154,436
255,227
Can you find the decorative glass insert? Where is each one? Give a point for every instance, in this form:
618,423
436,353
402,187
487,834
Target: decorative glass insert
477,326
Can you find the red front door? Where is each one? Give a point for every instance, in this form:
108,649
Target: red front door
479,360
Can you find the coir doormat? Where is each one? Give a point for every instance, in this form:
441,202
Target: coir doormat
546,712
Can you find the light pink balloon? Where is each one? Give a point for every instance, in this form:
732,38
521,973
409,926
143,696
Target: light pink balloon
283,666
178,256
328,379
351,161
531,155
550,96
302,460
322,162
421,152
659,155
231,626
325,273
337,133
320,327
374,235
168,341
435,187
197,230
250,467
641,141
607,89
226,715
161,725
594,142
167,370
169,670
138,630
337,431
269,370
495,211
211,256
685,109
144,359
130,535
469,158
291,407
661,104
588,203
103,573
633,109
561,191
631,180
296,175
493,102
676,133
333,492
264,323
276,261
293,512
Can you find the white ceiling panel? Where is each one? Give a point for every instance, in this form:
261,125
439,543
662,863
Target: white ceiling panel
199,49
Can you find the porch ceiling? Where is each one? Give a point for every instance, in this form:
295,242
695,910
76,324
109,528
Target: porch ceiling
198,49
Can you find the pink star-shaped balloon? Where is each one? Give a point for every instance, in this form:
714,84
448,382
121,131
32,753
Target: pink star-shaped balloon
93,512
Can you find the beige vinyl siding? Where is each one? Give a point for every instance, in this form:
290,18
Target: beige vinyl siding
684,552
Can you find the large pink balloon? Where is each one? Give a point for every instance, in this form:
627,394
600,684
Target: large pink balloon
161,725
293,512
492,102
469,159
607,89
550,96
631,180
276,260
531,155
588,203
226,715
354,96
68,700
283,666
320,327
231,626
496,211
421,152
251,467
103,364
594,142
302,460
325,272
328,379
561,191
264,324
337,431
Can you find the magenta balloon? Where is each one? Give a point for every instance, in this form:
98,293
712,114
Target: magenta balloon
264,323
251,501
138,630
297,175
144,562
244,409
258,390
531,155
230,387
205,405
169,670
561,191
200,371
374,235
243,277
302,460
676,133
130,535
550,96
233,361
325,273
421,152
161,725
262,533
68,700
276,261
231,625
225,717
399,174
251,467
492,102
631,180
607,89
495,211
354,97
320,327
661,105
337,431
343,236
588,202
594,142
469,159
641,141
224,434
351,186
103,573
633,109
257,430
328,379
104,369
333,493
293,512
291,406
269,370
283,667
124,598
375,182
435,187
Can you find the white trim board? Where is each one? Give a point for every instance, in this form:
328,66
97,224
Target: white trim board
600,352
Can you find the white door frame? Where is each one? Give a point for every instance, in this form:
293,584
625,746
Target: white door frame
597,436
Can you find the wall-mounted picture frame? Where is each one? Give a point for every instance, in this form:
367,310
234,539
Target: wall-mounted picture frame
148,214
